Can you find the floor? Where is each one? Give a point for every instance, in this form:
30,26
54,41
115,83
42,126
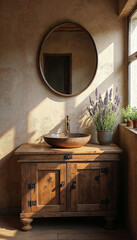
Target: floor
61,229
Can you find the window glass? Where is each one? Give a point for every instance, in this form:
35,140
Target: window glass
133,33
133,83
132,60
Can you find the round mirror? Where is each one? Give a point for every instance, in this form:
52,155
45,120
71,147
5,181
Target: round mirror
68,59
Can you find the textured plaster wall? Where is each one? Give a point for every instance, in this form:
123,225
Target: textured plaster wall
28,109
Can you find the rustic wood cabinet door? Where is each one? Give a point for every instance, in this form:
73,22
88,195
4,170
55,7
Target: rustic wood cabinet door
92,186
49,194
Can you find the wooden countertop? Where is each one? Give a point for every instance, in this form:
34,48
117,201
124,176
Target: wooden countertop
44,148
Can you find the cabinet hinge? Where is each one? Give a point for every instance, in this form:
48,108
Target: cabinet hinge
105,170
105,201
31,186
32,203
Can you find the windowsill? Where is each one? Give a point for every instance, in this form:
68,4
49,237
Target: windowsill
131,129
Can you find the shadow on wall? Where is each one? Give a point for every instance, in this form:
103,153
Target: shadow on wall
10,187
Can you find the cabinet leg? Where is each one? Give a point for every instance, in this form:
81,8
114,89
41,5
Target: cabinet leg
26,224
109,222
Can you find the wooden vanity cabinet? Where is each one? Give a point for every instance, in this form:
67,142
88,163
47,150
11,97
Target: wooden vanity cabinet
68,182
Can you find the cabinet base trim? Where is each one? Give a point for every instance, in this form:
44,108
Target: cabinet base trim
67,214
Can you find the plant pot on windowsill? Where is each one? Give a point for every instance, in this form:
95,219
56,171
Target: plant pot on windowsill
129,123
134,117
134,123
105,136
127,115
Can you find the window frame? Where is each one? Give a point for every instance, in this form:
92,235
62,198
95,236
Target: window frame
130,57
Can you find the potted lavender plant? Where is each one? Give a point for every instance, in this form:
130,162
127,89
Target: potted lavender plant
104,114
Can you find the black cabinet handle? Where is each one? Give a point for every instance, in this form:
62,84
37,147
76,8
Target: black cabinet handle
62,184
73,184
67,156
97,178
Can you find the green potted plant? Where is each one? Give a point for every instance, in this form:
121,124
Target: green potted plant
134,117
104,114
127,115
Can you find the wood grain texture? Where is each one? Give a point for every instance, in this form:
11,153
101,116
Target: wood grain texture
26,224
46,149
68,187
126,7
128,141
75,157
63,196
68,214
48,193
25,193
93,186
88,186
73,191
48,187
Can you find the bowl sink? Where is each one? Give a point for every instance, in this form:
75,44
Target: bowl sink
67,140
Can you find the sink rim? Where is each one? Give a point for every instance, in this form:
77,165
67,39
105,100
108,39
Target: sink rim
66,135
67,140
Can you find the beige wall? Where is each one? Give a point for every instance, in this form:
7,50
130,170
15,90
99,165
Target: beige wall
28,109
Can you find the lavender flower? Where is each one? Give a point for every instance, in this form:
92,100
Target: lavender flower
106,98
114,108
117,99
110,94
100,98
91,101
95,108
90,111
105,112
96,93
105,101
100,115
116,89
107,94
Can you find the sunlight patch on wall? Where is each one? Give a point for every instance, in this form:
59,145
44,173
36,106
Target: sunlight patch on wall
7,142
105,69
45,118
105,64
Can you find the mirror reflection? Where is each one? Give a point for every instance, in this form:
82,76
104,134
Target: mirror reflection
68,59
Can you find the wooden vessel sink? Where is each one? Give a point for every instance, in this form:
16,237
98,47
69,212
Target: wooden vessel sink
67,140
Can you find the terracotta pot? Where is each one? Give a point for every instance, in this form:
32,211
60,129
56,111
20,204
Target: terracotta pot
105,137
134,123
129,124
